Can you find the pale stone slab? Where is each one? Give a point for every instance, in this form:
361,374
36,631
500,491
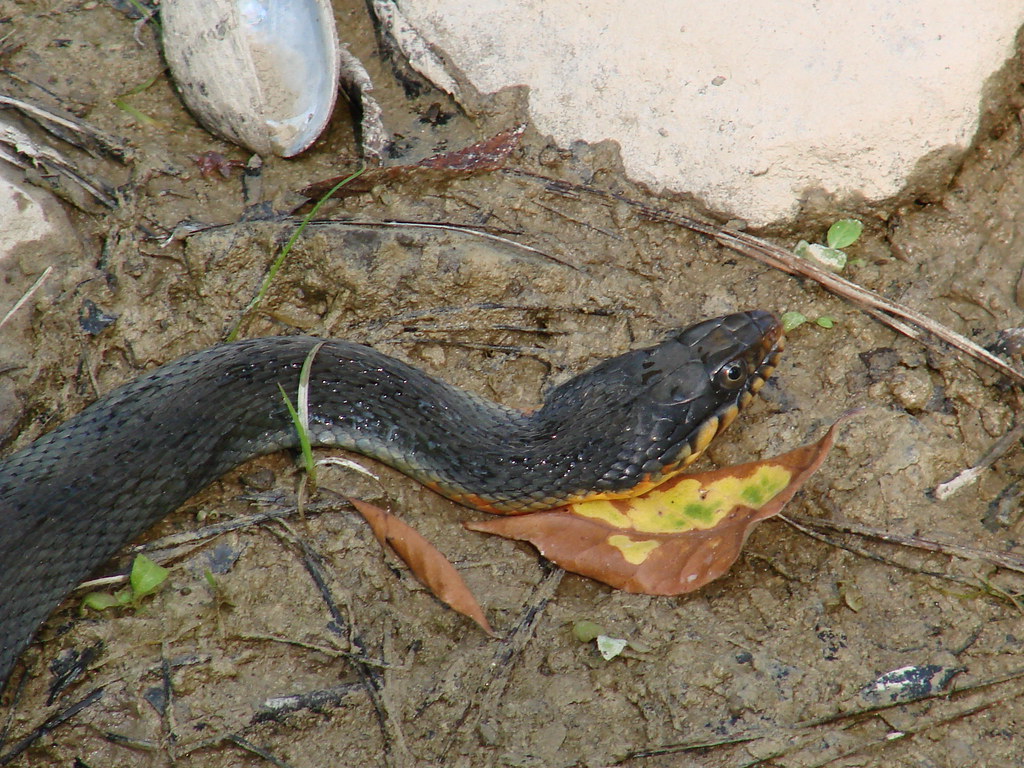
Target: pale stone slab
745,104
27,214
34,234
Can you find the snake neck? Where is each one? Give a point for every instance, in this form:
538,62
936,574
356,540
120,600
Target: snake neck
613,431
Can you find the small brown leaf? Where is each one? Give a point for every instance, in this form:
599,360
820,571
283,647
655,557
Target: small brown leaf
424,560
676,537
487,155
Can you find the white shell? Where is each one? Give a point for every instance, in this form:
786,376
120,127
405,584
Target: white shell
259,73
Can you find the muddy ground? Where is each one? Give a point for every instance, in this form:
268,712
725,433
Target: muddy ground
767,666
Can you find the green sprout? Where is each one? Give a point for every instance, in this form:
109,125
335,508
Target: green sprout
279,261
299,413
122,101
791,320
211,580
303,433
222,599
609,647
842,234
145,578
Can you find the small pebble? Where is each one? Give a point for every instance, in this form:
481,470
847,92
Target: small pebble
913,389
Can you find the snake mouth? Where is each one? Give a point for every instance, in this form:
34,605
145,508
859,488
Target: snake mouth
769,352
773,342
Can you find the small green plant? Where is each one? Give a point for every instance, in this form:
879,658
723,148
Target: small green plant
303,433
608,647
791,320
221,599
299,412
279,261
123,102
842,234
145,578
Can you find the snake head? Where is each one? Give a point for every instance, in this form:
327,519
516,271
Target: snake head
633,421
705,375
672,399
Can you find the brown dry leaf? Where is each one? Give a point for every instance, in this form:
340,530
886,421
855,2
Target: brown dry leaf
675,538
487,155
428,564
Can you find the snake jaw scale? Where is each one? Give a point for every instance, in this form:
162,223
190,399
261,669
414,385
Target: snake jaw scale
729,415
705,435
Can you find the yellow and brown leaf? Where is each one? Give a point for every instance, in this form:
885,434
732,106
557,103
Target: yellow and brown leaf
673,539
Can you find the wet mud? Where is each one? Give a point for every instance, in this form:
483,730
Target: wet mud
293,638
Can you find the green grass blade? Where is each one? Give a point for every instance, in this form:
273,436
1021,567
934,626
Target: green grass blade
303,433
279,261
303,393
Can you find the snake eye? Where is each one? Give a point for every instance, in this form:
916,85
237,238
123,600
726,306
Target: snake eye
731,376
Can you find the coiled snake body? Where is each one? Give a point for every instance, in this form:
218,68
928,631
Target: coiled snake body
71,499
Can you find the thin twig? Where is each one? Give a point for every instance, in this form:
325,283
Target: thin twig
993,588
970,475
889,312
447,227
50,724
202,535
167,711
336,653
24,152
902,733
395,749
27,295
788,262
133,742
1008,560
515,349
276,707
248,746
109,144
804,732
494,682
872,555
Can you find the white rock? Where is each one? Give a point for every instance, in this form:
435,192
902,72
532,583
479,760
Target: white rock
745,104
34,234
29,214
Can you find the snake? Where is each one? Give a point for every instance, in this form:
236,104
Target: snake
72,498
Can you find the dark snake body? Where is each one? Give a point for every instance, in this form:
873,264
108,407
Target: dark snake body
71,499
